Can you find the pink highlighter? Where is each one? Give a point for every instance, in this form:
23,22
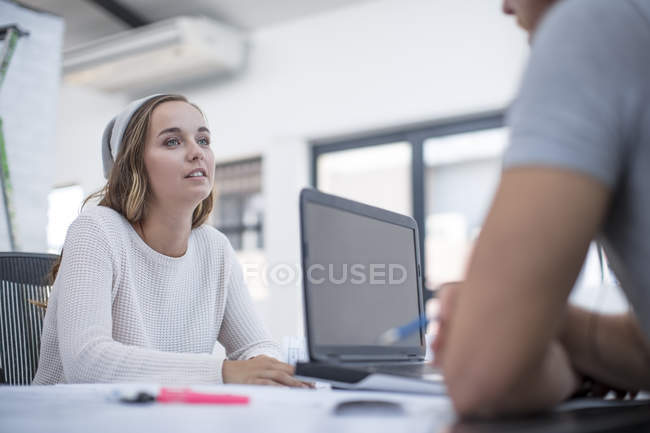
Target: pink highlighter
188,396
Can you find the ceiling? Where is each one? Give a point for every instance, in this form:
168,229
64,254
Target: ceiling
85,20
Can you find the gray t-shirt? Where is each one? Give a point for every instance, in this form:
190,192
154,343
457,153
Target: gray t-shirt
584,106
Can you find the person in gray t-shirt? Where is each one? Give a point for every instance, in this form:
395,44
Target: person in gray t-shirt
577,169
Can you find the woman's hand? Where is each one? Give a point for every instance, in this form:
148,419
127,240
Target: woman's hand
261,370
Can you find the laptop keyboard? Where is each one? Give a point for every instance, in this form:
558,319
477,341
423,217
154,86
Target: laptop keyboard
418,370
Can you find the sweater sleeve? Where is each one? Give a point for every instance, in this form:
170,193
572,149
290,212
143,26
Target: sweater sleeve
84,322
242,332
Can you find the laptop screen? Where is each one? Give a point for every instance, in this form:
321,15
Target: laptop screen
360,277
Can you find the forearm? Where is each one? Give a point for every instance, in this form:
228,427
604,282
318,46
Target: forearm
610,348
97,361
503,352
552,382
265,347
543,386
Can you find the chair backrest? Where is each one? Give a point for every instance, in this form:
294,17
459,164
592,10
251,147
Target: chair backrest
22,278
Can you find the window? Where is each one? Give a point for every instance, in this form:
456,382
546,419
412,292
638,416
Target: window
461,174
239,214
413,171
444,175
239,208
379,175
64,204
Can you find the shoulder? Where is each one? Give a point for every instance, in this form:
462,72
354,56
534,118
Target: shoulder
95,239
589,52
212,246
596,24
103,213
99,222
582,11
211,239
208,232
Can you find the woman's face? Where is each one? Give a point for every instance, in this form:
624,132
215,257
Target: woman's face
177,155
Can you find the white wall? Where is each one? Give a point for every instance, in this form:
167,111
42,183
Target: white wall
28,101
82,116
376,64
373,65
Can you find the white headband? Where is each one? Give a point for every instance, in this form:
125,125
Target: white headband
114,132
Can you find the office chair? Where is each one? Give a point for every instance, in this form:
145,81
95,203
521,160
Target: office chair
23,287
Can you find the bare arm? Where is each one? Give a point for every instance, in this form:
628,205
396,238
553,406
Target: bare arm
608,347
502,354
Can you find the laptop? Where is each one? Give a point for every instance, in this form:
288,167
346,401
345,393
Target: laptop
361,277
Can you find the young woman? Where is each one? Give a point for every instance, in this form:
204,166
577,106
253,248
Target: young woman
578,168
144,289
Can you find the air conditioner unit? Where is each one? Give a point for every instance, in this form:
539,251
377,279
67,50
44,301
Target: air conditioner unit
178,49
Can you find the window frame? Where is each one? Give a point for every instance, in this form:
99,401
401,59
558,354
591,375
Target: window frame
241,229
415,135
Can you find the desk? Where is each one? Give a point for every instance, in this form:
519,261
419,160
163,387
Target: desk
87,408
90,408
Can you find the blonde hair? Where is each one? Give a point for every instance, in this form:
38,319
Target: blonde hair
128,189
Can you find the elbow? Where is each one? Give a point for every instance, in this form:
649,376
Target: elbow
77,370
466,401
476,391
73,374
471,403
85,364
471,400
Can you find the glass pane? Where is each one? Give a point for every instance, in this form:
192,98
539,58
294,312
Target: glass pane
461,176
239,208
377,175
253,219
63,208
239,214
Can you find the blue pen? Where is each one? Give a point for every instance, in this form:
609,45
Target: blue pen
396,334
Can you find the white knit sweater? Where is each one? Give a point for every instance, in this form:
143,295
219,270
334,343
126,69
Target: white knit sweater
122,312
